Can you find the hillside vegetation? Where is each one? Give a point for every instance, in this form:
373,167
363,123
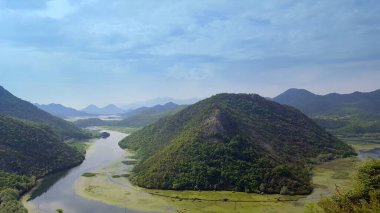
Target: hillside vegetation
33,149
12,106
356,113
11,187
232,142
28,150
364,197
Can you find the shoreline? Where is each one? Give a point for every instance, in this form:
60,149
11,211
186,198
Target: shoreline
122,193
24,197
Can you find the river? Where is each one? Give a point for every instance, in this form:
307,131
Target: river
57,190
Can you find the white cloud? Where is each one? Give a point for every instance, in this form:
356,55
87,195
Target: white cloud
57,9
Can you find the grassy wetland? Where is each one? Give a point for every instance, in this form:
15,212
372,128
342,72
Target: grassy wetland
111,187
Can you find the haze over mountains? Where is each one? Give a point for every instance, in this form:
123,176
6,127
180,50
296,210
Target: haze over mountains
135,118
110,109
61,111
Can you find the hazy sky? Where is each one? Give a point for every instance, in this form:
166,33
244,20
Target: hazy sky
77,52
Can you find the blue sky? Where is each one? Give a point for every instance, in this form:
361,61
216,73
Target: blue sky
78,52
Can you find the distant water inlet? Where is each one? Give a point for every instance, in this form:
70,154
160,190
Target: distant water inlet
57,190
373,153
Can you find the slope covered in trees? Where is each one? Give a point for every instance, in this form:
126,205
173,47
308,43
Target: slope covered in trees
28,150
15,107
358,112
232,142
11,187
32,149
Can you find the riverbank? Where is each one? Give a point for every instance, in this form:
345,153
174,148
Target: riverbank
109,186
82,146
56,190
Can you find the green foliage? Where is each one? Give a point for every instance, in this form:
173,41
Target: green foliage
364,197
15,107
89,174
32,149
356,113
11,186
232,142
59,210
80,146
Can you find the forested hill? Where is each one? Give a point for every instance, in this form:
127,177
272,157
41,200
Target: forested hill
357,103
232,142
355,113
14,106
28,148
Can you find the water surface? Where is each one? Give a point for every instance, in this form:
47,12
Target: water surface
373,153
57,190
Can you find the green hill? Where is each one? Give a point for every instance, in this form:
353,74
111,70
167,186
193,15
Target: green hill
28,150
354,113
232,142
32,149
15,107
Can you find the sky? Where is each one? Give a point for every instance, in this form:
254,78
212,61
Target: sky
80,52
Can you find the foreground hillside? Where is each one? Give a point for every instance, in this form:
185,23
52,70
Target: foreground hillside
33,149
28,150
355,113
232,142
15,107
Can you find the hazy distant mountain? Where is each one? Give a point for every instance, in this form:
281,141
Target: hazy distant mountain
236,142
358,112
161,101
110,109
60,110
156,108
135,118
13,106
360,103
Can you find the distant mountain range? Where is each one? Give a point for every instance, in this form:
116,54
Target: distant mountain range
157,108
358,112
13,106
135,118
61,111
110,109
362,103
160,101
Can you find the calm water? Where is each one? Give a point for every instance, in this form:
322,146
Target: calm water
57,190
373,153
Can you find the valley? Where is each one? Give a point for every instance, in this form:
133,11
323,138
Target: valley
107,178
